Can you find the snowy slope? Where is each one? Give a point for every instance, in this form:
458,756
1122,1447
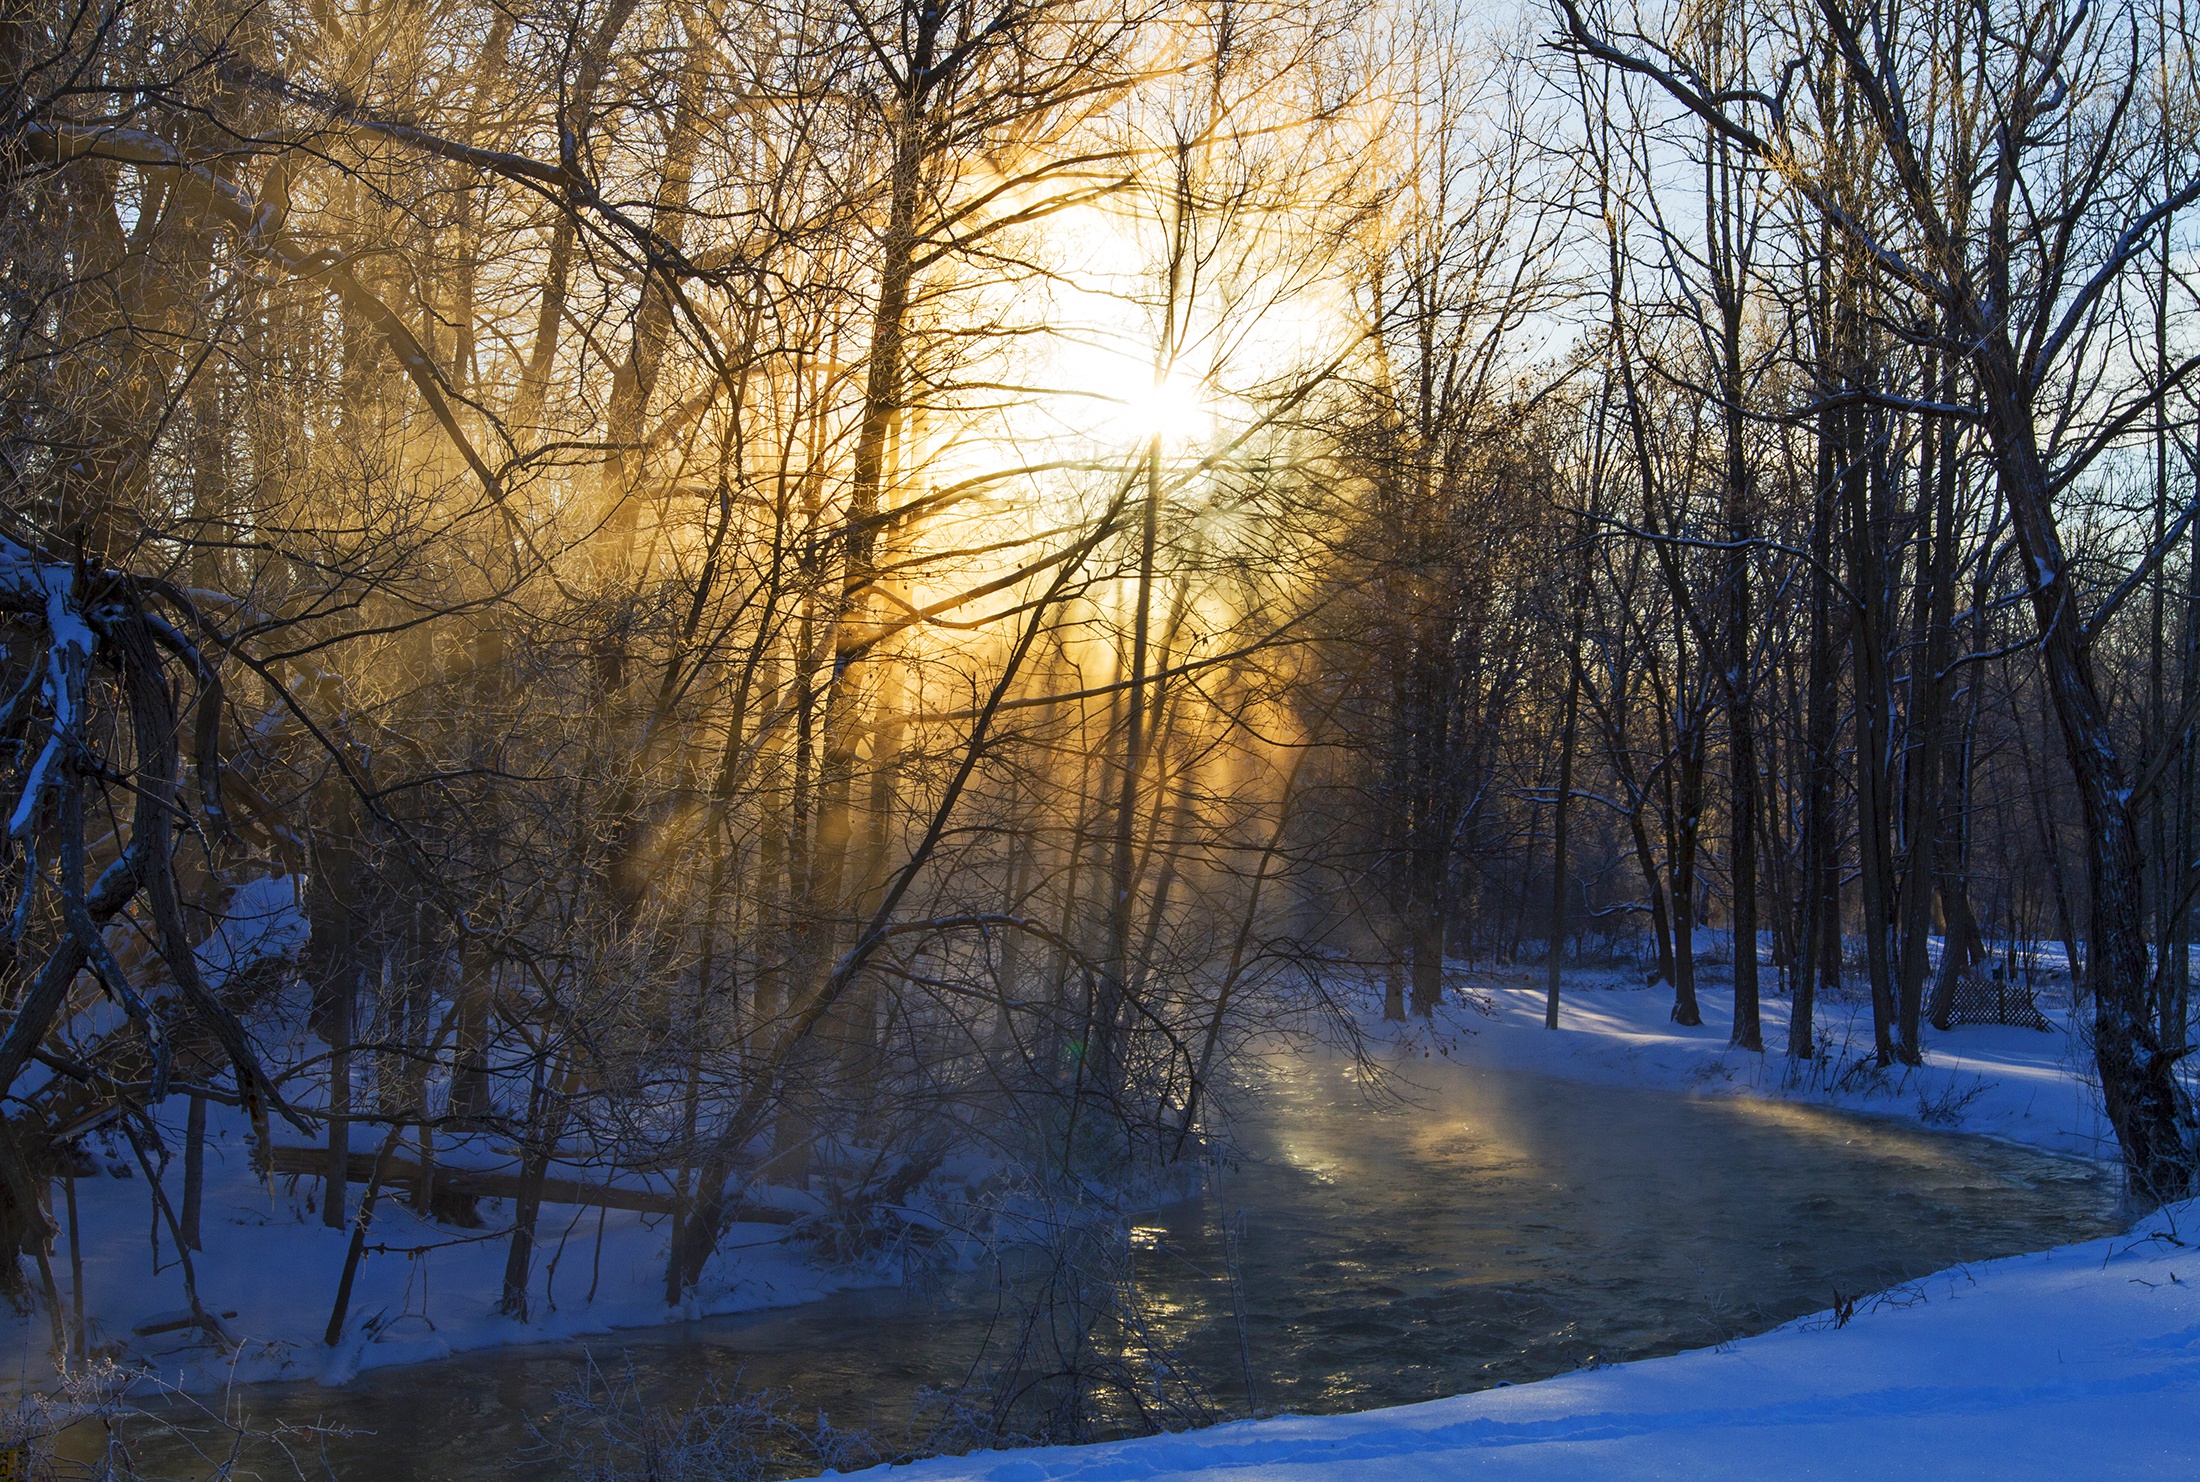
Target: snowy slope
2079,1362
2020,1085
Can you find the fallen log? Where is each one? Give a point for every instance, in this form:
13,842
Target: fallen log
476,1183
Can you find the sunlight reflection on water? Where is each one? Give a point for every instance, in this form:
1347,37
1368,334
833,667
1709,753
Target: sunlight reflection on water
1492,1227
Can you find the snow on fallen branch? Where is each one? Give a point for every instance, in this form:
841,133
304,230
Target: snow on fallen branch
89,615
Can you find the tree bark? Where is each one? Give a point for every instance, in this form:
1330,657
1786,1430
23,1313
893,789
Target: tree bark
1865,481
2138,1072
194,1170
1819,907
1557,953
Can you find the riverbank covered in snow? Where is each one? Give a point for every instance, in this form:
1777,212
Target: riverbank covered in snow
2034,1088
426,1290
2077,1362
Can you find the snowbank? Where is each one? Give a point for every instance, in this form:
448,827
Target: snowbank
2078,1362
2019,1085
424,1290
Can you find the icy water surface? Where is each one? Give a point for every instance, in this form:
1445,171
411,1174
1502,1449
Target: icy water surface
1499,1227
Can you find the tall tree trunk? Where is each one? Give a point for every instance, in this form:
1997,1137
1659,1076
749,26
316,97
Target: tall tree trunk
1821,926
1559,811
1933,607
2176,993
1965,945
1683,831
1729,236
1748,1033
194,1172
343,996
1867,502
853,624
2138,1072
1653,884
2050,842
550,1103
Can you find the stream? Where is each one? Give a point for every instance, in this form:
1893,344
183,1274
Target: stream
1492,1227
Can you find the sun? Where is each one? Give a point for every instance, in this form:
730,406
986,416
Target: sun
1174,409
1102,390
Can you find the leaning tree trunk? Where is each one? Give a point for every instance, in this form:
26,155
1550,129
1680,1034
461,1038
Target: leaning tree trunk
2138,1073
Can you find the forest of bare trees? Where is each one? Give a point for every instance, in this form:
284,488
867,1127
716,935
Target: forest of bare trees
730,592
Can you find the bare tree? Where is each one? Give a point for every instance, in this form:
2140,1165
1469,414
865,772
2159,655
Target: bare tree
2024,178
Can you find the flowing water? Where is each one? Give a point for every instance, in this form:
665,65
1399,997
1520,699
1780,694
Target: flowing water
1492,1228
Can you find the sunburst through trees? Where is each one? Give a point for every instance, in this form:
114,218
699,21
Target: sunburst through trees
730,597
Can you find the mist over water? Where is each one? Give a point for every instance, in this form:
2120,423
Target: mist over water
1508,1227
1489,1227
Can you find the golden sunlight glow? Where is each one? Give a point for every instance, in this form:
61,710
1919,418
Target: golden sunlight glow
1112,358
1176,411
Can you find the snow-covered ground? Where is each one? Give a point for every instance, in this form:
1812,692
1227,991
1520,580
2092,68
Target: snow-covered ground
270,1269
2020,1085
423,1291
2078,1362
